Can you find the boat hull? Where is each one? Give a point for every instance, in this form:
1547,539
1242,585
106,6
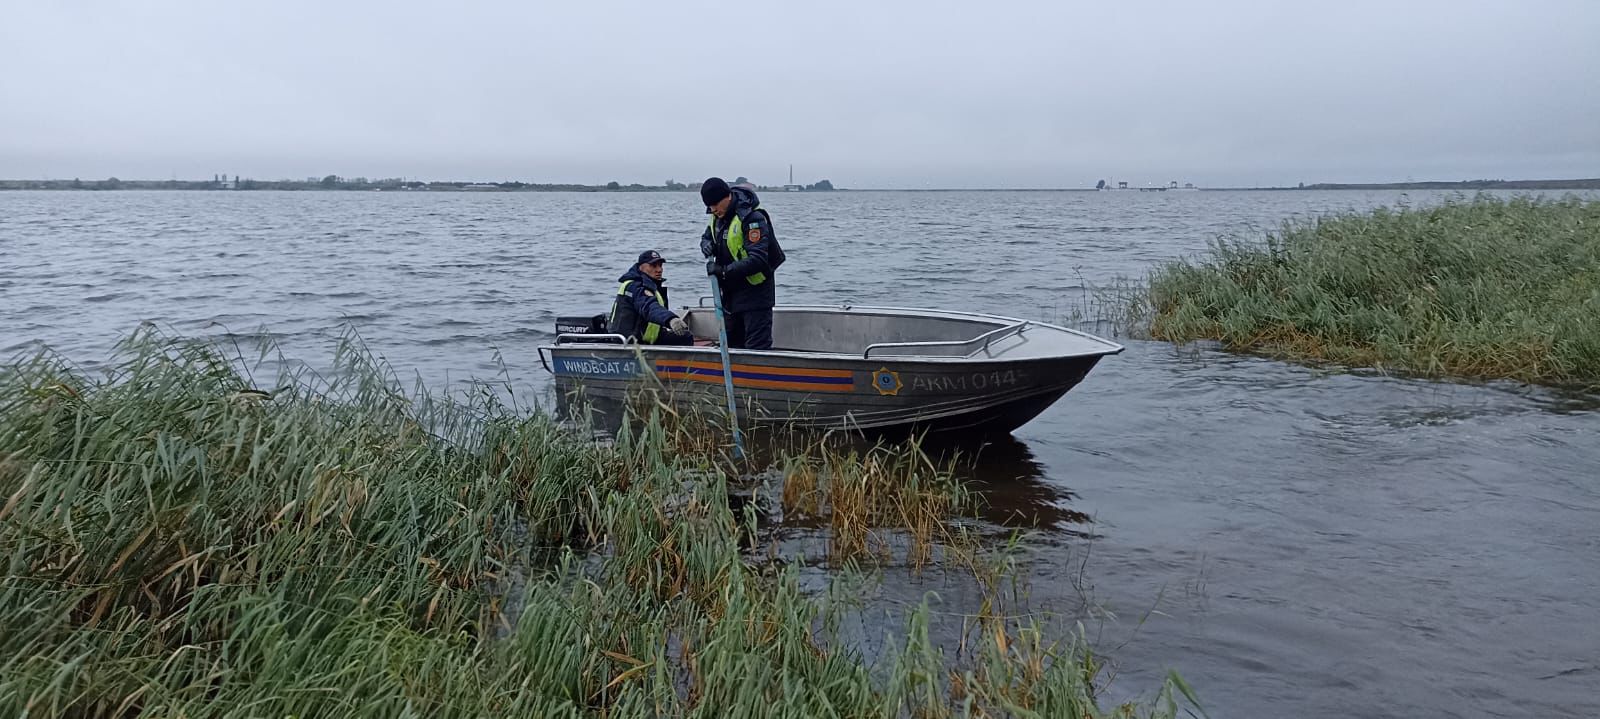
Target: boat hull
880,396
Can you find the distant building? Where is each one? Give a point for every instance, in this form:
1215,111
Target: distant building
792,187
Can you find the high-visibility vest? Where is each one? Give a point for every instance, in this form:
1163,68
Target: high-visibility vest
624,307
736,244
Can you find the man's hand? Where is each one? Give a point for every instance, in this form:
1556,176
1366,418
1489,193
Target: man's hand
716,270
678,326
706,248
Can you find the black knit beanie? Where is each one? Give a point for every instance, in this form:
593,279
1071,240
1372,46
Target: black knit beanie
713,190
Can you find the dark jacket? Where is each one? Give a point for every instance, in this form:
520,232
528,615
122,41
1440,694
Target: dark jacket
635,308
763,256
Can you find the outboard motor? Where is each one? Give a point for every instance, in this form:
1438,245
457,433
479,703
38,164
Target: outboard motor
581,325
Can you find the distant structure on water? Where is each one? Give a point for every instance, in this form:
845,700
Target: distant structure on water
791,187
1105,185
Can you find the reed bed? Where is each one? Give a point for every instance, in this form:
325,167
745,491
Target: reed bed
183,541
1479,288
871,499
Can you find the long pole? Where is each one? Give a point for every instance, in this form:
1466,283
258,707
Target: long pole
727,370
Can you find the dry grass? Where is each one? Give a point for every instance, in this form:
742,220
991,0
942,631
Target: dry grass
869,498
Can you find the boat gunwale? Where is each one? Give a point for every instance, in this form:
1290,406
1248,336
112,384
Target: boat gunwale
860,356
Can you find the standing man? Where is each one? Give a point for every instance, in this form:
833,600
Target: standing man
742,252
640,311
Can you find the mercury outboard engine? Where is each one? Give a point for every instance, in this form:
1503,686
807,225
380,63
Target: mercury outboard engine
581,325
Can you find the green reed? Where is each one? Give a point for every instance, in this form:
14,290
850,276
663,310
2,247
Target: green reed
180,541
1482,288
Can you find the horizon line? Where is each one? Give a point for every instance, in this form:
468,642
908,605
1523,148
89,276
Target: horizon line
343,184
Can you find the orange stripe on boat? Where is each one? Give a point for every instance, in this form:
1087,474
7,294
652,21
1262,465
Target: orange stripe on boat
761,377
761,383
680,365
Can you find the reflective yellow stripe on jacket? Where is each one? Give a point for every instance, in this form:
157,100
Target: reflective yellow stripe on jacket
652,331
736,244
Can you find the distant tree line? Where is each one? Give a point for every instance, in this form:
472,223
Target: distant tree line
1581,184
818,186
338,183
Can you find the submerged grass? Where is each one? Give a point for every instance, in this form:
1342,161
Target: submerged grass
856,492
180,543
1481,288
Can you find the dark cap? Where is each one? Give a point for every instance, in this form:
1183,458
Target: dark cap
713,190
650,257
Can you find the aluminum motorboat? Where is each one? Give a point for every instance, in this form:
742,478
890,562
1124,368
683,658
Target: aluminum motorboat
844,367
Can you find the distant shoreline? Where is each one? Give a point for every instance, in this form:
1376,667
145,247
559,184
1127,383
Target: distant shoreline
454,186
1572,184
334,183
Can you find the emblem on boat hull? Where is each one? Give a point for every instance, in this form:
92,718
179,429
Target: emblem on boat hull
886,381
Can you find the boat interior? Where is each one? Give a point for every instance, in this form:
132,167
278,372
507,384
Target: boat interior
863,332
869,332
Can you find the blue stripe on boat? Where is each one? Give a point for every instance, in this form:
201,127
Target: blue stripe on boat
672,369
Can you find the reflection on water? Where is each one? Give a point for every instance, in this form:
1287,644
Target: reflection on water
1012,487
1006,479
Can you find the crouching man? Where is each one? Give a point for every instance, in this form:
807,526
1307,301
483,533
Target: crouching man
640,311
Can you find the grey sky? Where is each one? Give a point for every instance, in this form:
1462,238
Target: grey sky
868,94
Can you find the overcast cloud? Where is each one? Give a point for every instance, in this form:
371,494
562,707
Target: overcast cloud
868,94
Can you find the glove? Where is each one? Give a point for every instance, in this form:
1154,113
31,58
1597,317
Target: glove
678,326
706,248
716,270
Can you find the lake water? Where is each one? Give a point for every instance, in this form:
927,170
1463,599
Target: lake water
1312,542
